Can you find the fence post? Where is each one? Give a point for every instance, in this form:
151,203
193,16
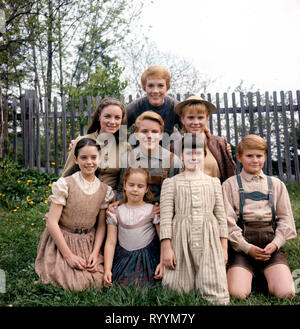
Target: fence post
55,135
47,132
277,129
286,138
211,128
27,126
38,142
15,138
218,113
64,129
227,118
24,130
30,133
236,139
251,114
81,114
269,154
243,114
259,108
294,138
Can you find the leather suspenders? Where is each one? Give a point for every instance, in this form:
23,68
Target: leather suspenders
256,196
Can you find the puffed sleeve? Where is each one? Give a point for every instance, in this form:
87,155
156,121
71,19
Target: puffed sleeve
59,192
112,219
109,197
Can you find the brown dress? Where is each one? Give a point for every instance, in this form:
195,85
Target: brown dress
78,215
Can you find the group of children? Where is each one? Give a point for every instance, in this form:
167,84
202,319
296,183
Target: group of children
183,244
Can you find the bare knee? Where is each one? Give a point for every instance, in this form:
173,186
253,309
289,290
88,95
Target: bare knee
282,292
239,282
239,292
280,281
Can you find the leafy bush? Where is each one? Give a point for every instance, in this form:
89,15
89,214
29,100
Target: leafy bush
21,187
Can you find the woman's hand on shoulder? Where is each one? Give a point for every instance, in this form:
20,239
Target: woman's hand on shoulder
229,148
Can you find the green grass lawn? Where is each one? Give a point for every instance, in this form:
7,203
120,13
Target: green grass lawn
20,232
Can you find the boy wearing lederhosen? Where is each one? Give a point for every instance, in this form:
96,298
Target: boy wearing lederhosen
260,221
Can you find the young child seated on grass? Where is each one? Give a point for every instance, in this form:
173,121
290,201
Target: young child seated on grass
260,220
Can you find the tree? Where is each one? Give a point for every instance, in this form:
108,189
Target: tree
51,44
104,82
140,53
14,39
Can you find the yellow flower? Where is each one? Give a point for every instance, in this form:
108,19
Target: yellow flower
27,198
32,191
29,181
53,163
14,210
50,185
46,201
31,202
3,194
18,181
0,194
18,207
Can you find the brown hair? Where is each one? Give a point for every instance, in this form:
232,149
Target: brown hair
95,123
148,197
80,144
149,115
158,72
252,142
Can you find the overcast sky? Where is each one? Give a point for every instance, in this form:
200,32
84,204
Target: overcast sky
254,40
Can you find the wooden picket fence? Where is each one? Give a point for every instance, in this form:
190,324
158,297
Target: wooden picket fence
40,138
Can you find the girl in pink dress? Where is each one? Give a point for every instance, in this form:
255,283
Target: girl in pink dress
132,248
69,250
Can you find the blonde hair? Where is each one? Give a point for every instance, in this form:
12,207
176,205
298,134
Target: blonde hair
201,108
149,115
148,197
158,72
252,142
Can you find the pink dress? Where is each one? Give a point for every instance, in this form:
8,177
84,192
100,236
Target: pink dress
77,223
